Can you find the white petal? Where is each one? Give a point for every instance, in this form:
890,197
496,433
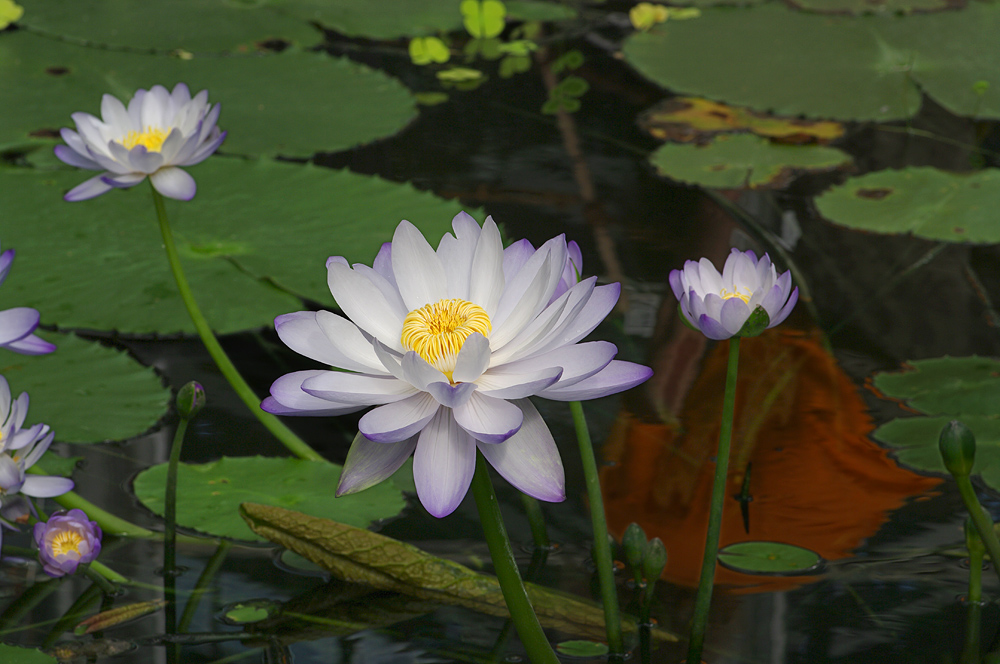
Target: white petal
472,359
365,305
501,384
419,273
369,463
417,372
529,459
356,352
487,280
487,419
41,486
577,362
95,186
172,182
443,464
616,377
398,421
287,397
360,389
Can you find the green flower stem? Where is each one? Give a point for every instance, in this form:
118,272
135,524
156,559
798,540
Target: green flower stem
99,579
973,625
287,437
170,536
536,520
982,522
518,603
602,549
108,573
703,598
81,607
204,581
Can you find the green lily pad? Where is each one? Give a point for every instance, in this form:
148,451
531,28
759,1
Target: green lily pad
209,495
863,68
85,391
875,6
265,107
191,25
771,558
944,389
251,611
924,201
252,225
15,655
737,161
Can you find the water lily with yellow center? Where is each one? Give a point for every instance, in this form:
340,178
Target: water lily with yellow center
154,136
448,344
721,304
17,325
20,448
67,540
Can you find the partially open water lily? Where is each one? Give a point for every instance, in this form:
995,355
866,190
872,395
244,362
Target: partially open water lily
20,449
17,325
67,540
158,132
448,345
721,304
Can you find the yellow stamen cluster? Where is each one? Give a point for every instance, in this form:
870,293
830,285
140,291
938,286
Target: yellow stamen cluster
65,542
437,331
152,138
726,295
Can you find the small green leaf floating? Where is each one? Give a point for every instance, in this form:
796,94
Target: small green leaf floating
15,655
926,202
252,611
583,649
209,495
771,558
944,389
85,391
744,160
483,18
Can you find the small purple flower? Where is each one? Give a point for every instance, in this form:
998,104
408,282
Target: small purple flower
158,132
66,541
17,325
448,344
720,305
19,450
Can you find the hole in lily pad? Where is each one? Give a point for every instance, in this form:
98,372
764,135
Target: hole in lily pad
250,611
770,558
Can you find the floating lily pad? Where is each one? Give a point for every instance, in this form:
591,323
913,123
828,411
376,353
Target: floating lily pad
863,68
924,201
769,558
293,103
691,119
100,264
737,161
191,25
948,388
579,648
876,6
209,495
250,611
86,392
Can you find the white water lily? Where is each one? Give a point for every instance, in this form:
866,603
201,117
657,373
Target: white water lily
17,325
159,132
448,344
720,304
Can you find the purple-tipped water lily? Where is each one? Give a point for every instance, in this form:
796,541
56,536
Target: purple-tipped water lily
448,344
67,540
17,325
20,449
720,304
158,132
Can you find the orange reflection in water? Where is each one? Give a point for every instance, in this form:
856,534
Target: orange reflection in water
816,480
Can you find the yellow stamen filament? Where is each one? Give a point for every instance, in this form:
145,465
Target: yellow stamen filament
152,138
726,295
65,542
437,331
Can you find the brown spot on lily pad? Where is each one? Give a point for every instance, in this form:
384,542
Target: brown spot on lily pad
45,132
958,230
57,71
873,194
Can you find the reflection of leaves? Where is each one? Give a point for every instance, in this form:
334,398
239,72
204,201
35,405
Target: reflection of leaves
569,60
425,50
565,96
461,78
361,556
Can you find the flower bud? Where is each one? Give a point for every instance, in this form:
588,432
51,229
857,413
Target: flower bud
958,448
654,560
190,400
633,543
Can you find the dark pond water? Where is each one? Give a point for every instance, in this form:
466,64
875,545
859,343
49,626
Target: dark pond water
891,590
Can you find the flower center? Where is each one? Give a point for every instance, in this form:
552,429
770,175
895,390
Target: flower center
437,331
66,542
726,295
152,139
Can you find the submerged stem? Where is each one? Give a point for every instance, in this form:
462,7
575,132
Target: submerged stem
602,550
518,603
703,599
287,437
